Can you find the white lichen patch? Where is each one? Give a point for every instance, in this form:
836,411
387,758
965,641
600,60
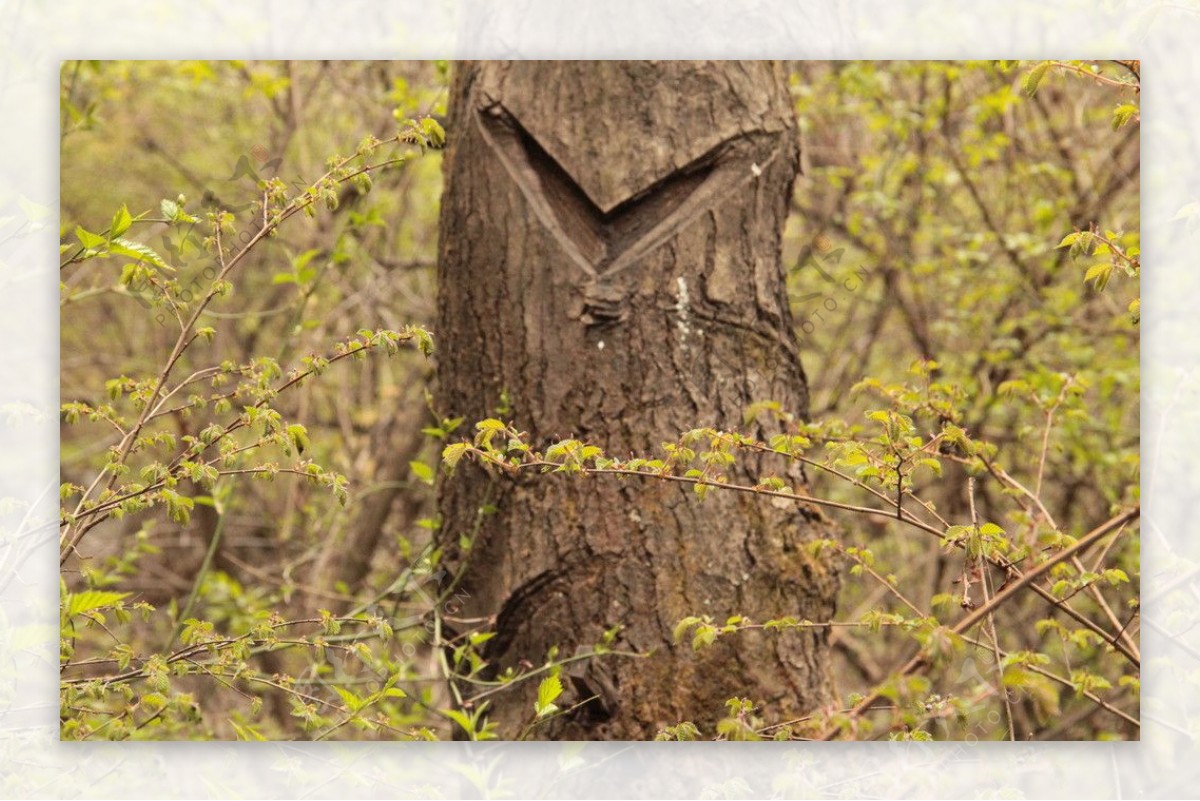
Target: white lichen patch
683,307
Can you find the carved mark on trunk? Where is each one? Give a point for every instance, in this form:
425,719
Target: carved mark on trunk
513,612
603,245
590,685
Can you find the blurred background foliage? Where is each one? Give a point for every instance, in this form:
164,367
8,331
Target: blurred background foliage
926,227
951,186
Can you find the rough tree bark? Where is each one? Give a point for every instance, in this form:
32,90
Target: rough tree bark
610,259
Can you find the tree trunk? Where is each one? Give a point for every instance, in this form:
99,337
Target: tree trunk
610,264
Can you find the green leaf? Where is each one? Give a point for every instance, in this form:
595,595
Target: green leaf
1068,240
463,720
352,701
1099,274
433,131
138,251
247,732
705,635
179,508
1033,78
487,430
550,688
298,436
301,261
1122,114
120,222
88,239
452,454
424,341
480,637
1115,576
1085,681
170,209
78,603
682,627
685,731
422,471
1012,387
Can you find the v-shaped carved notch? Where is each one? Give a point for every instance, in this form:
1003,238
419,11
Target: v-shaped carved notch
606,244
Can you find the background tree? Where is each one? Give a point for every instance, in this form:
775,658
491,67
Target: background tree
610,271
